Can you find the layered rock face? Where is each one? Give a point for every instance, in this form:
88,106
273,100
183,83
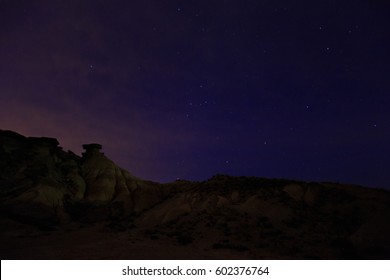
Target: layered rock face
44,187
38,180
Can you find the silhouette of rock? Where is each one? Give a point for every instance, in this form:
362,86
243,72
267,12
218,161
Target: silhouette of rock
45,188
91,149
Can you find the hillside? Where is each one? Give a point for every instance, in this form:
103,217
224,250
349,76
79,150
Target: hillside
58,205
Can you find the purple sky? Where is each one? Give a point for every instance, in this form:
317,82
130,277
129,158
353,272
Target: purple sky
188,89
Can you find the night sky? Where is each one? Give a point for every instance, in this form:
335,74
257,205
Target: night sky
190,89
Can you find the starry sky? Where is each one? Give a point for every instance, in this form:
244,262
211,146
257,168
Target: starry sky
190,89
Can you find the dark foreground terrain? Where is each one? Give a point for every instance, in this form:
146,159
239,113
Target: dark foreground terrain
57,205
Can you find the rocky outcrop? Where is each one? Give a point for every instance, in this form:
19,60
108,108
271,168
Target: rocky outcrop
11,142
42,185
36,172
32,181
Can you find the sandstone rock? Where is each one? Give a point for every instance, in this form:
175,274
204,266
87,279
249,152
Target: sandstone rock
99,175
41,185
43,146
77,184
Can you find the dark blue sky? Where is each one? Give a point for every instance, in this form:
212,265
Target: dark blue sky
188,89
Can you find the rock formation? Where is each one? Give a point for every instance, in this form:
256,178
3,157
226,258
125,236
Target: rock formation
38,176
43,186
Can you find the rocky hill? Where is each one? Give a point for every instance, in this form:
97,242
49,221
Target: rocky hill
58,205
